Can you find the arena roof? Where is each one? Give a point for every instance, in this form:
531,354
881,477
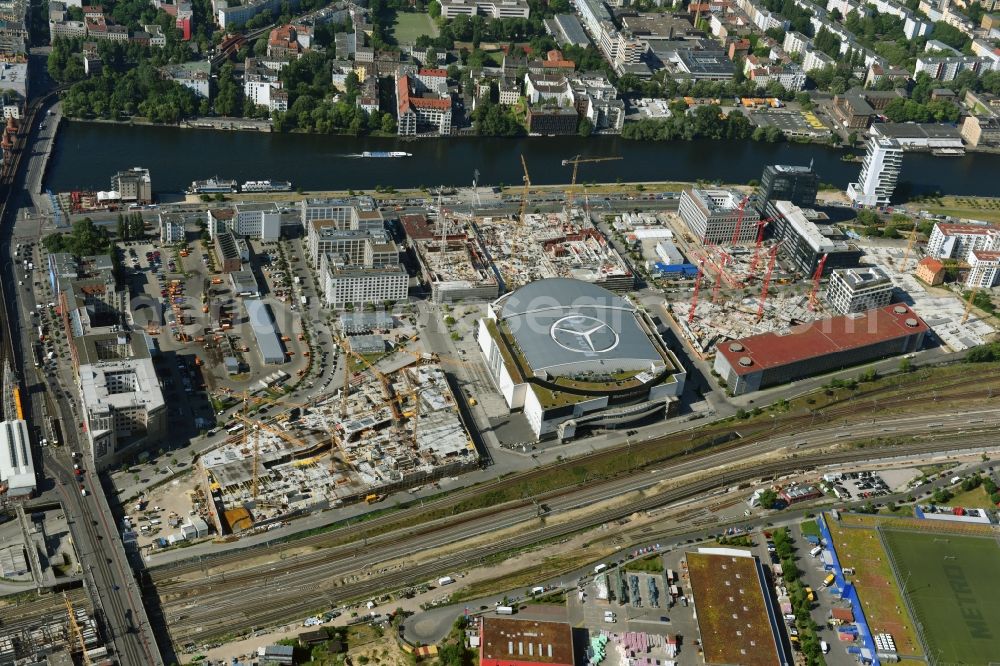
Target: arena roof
561,321
822,337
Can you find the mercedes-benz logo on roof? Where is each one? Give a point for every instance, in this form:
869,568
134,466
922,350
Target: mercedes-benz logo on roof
583,334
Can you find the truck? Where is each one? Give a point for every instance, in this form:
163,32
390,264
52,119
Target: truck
828,581
445,580
505,610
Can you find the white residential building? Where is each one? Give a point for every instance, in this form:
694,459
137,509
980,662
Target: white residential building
814,59
946,68
415,112
984,269
510,92
795,42
859,289
879,173
492,8
262,87
958,241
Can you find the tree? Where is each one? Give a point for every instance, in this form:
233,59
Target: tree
434,9
768,499
388,124
586,128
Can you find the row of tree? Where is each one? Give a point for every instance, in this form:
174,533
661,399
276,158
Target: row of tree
704,122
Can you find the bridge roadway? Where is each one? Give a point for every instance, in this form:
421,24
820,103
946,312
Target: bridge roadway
107,574
287,590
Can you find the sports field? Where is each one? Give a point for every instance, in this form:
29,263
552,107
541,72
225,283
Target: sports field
950,582
860,547
410,25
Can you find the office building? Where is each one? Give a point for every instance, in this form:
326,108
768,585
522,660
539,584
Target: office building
713,216
133,185
859,289
566,29
879,173
764,360
984,269
123,406
804,244
260,221
550,121
797,184
493,8
344,285
344,232
957,241
17,467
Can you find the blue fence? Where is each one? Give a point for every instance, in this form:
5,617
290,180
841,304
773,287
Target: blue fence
848,592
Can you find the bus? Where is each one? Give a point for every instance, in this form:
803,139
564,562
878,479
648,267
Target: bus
235,429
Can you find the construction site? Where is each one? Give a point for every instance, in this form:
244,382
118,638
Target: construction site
57,628
378,434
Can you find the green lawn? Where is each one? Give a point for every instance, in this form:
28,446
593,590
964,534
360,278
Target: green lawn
947,579
810,528
410,25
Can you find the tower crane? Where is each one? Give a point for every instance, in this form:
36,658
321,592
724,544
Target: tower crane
524,207
76,634
909,248
576,162
761,225
969,303
767,281
697,289
817,276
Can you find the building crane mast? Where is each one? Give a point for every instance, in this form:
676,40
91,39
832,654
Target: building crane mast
767,282
817,276
76,634
909,248
969,303
756,250
576,162
697,289
524,207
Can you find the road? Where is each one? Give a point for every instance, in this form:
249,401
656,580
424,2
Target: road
107,574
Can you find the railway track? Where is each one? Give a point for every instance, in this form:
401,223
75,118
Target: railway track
372,531
231,607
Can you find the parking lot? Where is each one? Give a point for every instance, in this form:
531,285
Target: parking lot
791,123
857,485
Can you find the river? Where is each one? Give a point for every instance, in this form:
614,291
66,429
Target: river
87,154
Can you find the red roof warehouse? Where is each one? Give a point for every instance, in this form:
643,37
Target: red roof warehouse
767,359
511,642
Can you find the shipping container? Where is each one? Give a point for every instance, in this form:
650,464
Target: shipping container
446,580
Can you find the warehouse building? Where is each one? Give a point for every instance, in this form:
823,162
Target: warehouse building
513,642
712,216
804,243
768,359
739,621
17,468
574,356
265,331
859,289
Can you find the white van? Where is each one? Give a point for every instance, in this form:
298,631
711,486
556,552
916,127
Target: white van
816,551
599,568
824,647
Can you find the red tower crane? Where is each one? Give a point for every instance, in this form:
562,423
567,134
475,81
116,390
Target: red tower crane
767,282
739,220
816,278
756,250
694,294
